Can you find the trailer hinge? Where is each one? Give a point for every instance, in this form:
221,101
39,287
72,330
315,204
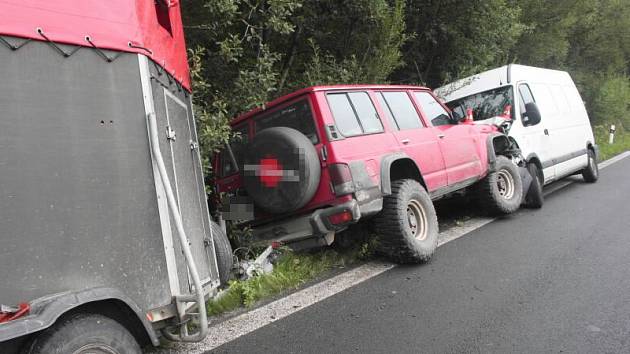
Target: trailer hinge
170,133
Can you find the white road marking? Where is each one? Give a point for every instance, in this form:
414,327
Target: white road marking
248,322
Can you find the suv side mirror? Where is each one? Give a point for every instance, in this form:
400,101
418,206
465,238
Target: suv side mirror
531,115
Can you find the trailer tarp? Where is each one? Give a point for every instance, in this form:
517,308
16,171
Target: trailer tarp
150,27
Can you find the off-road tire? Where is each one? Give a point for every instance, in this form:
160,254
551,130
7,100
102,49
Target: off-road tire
591,172
495,200
223,250
395,235
534,198
84,333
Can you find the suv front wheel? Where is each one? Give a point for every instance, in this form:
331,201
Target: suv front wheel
501,191
407,226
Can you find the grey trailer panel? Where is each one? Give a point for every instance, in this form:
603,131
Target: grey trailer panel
77,192
175,103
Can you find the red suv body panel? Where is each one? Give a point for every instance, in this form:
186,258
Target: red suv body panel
449,157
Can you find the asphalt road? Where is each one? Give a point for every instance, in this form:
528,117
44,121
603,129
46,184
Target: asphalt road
550,280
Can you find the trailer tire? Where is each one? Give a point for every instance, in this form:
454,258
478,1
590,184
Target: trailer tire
82,334
407,226
223,250
501,191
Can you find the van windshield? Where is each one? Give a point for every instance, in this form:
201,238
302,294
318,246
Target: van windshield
485,105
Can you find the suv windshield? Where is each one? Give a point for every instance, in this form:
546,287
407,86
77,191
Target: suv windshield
485,105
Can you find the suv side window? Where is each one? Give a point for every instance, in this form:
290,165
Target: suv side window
432,109
526,97
354,113
400,109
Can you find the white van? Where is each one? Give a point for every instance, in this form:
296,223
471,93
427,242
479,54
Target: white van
549,120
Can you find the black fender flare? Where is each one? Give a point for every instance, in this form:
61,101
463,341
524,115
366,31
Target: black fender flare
386,163
46,311
492,155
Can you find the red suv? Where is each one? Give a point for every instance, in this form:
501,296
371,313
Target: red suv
315,161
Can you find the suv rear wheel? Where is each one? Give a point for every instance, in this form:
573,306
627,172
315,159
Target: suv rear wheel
501,191
407,226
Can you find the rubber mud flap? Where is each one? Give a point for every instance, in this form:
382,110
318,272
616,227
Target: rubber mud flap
281,170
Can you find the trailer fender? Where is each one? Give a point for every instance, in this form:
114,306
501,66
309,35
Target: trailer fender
47,310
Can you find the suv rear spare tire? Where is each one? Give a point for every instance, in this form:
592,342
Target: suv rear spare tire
501,191
407,226
281,170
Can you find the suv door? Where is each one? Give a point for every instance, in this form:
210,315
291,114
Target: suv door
535,138
415,139
457,141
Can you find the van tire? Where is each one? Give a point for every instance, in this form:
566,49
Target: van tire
407,225
80,331
534,198
223,250
591,172
501,191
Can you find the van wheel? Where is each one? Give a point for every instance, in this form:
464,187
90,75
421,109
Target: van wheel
407,226
591,172
83,334
223,250
534,198
501,191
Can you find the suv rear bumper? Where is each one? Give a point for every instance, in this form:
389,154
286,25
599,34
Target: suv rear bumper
308,226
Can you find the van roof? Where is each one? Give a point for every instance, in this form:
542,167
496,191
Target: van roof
501,76
311,89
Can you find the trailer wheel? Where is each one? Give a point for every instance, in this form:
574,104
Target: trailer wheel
223,249
83,334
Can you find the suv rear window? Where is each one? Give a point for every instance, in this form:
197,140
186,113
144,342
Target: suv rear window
296,115
227,168
354,113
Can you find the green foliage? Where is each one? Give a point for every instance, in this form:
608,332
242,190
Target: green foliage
612,102
621,143
454,39
291,271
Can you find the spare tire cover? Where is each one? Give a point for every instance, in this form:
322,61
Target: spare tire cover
281,170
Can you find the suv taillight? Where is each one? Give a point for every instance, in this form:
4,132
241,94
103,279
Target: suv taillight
341,178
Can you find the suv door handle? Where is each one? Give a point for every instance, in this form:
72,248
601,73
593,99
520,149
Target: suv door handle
441,136
405,141
546,131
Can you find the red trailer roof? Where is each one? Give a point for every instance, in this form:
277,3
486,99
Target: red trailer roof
150,27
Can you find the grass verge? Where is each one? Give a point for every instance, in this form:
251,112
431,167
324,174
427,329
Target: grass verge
291,271
620,144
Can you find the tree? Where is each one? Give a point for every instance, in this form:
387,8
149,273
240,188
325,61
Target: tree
453,39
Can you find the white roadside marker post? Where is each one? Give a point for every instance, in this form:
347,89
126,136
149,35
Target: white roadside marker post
611,138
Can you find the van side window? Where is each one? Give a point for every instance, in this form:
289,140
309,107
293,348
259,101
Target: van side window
354,113
545,99
432,109
526,97
401,109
